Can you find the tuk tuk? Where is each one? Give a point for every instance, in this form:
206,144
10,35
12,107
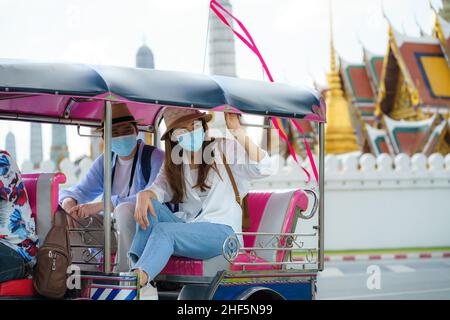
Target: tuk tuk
283,249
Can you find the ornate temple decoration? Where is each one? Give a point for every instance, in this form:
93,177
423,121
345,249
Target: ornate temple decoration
409,137
377,141
396,103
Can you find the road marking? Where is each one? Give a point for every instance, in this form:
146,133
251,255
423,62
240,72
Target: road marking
399,268
331,272
377,295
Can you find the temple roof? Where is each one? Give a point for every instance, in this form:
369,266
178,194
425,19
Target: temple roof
378,141
425,68
357,82
374,65
401,39
435,137
409,137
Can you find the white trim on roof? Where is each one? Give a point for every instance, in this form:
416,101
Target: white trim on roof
401,39
370,54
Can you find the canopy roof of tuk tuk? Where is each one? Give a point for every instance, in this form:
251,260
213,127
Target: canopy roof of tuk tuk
77,92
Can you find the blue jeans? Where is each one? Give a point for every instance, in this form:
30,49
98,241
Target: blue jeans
12,265
169,235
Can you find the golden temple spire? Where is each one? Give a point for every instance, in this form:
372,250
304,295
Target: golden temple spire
340,137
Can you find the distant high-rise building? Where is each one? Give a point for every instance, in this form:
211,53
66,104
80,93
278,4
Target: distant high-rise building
58,149
36,144
144,58
222,56
10,145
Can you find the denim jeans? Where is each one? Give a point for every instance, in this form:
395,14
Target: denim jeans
168,235
12,265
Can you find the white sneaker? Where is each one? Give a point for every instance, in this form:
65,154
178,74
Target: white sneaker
149,292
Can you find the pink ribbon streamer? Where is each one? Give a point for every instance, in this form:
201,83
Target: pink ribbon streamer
308,150
250,43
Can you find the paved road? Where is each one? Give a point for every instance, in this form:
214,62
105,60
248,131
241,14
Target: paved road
399,279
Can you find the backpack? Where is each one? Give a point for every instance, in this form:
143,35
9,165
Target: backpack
146,163
53,259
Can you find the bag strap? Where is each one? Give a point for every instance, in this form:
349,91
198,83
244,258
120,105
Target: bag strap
233,182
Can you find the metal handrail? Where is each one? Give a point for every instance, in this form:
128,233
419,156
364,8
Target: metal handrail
315,205
286,242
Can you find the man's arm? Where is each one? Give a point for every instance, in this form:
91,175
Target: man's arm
89,188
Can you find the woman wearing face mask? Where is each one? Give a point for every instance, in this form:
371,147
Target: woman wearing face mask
201,187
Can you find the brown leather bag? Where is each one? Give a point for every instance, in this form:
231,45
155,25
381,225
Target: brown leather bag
244,202
53,259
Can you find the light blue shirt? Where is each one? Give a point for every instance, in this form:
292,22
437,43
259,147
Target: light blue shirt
91,186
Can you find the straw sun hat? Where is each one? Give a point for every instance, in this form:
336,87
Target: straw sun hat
120,115
175,118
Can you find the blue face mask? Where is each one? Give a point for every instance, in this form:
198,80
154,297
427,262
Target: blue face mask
124,145
192,141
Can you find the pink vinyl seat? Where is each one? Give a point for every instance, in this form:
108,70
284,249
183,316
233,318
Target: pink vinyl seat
270,213
42,190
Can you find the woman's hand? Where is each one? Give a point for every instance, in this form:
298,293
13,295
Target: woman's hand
87,209
143,206
232,121
233,124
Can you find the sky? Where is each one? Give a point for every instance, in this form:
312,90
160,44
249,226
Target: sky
293,36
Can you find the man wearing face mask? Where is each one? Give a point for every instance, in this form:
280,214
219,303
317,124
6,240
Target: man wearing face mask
134,168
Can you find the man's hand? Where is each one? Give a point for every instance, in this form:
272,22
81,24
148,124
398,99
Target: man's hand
68,204
86,210
143,206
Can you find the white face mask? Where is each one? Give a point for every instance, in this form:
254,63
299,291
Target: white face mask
123,145
192,141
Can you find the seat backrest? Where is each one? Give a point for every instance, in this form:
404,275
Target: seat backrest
42,190
273,213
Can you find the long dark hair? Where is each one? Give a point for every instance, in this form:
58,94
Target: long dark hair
175,171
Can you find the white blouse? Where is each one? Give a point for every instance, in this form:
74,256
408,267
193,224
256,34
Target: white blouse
219,204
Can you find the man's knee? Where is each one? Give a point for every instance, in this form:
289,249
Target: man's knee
125,208
124,214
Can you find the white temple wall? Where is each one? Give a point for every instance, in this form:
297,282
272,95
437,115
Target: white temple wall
378,203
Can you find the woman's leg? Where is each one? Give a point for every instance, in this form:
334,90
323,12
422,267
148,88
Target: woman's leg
12,265
200,240
163,214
